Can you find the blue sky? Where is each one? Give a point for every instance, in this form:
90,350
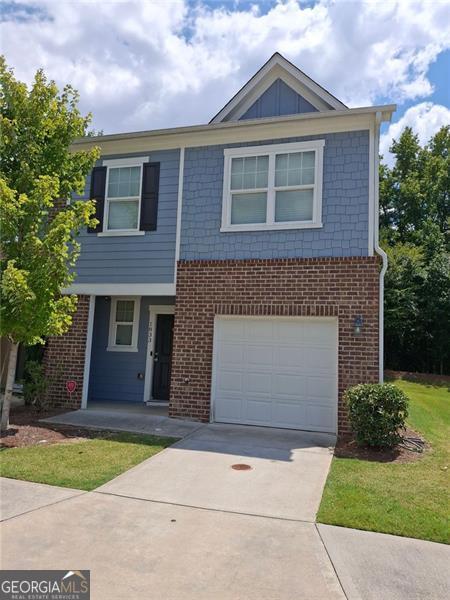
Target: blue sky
148,64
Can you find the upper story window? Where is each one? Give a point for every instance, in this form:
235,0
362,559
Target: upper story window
123,198
123,195
273,187
124,324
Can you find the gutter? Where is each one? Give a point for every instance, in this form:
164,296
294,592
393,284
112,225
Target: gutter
377,248
385,114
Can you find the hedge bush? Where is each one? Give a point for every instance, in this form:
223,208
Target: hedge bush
377,413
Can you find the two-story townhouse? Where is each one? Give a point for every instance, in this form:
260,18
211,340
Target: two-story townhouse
235,274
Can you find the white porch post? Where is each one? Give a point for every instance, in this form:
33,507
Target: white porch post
87,354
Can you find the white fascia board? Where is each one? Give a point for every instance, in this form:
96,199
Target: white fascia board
277,62
122,289
318,123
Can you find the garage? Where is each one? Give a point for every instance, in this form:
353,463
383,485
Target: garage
276,372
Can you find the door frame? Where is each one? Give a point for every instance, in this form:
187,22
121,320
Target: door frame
220,318
154,311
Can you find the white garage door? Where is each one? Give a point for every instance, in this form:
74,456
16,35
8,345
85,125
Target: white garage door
278,372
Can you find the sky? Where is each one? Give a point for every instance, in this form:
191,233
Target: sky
164,63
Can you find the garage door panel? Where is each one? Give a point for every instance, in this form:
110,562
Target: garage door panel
259,356
290,414
258,383
257,411
289,384
320,417
231,353
276,371
230,381
229,408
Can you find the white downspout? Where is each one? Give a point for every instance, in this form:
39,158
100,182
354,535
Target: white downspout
377,248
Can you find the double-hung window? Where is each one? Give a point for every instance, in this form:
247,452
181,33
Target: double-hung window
124,324
273,187
123,192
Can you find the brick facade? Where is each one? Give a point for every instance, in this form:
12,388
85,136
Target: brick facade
64,359
340,287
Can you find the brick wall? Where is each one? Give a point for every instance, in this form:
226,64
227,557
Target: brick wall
340,287
64,359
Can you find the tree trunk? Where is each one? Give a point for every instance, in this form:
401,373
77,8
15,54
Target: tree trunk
12,360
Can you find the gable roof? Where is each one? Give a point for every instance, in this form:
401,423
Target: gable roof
277,67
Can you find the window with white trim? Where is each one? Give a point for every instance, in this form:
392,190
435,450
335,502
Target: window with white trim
273,187
123,198
124,324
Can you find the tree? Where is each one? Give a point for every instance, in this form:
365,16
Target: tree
39,224
414,220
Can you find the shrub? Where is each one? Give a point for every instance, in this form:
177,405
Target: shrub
377,413
35,385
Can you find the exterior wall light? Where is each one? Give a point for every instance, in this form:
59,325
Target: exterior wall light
358,323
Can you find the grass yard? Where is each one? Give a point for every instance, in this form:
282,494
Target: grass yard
82,465
408,499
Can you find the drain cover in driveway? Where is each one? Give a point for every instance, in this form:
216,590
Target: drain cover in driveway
241,467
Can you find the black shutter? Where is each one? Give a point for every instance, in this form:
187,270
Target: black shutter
98,183
149,200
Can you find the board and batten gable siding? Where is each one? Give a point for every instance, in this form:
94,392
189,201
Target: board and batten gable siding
345,207
148,258
114,375
278,100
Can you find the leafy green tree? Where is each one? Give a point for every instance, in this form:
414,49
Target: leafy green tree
414,220
39,224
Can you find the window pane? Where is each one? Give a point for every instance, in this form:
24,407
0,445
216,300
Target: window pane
248,208
124,335
123,182
125,310
296,168
249,172
123,214
295,205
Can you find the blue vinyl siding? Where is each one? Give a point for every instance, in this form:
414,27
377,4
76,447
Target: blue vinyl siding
279,99
114,375
136,259
345,207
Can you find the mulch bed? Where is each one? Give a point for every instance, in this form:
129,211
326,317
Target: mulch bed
25,429
405,452
427,378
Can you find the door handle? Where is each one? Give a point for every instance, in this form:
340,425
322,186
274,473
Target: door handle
156,357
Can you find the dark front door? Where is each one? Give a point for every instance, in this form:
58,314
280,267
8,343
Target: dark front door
162,357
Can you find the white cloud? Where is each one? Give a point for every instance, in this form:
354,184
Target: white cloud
148,64
425,119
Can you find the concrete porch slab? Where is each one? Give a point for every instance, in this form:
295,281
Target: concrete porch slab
127,421
286,478
18,497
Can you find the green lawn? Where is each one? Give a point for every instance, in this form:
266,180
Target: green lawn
409,499
82,465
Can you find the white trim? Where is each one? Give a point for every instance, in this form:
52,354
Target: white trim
230,132
154,311
112,346
378,249
270,71
133,161
120,233
118,289
371,203
88,352
179,212
219,317
118,164
272,150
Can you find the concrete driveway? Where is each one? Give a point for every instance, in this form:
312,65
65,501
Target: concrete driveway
287,473
185,525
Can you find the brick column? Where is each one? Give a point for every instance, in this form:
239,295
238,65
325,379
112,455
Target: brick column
64,360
